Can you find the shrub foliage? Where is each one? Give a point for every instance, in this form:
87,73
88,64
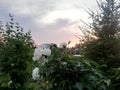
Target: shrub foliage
15,56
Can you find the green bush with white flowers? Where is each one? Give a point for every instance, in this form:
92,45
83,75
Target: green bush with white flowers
56,69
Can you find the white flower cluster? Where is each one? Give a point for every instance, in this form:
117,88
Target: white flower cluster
62,45
42,50
35,74
40,54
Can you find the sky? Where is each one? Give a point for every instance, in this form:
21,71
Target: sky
50,21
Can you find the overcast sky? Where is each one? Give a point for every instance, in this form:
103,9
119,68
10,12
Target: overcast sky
50,21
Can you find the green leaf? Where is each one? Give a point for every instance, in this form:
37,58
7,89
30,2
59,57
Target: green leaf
107,82
79,86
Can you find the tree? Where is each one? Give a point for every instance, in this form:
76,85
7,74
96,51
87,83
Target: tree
106,27
15,56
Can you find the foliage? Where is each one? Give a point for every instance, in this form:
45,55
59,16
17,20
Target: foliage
106,23
114,75
66,72
15,56
104,52
106,28
105,48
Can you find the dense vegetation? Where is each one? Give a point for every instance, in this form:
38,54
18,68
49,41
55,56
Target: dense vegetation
15,56
56,68
105,50
106,27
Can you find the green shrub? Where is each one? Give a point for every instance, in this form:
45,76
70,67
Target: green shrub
65,72
15,56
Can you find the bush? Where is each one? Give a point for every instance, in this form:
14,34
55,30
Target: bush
15,56
63,71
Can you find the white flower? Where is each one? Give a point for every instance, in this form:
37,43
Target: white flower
64,63
77,55
40,51
37,54
46,52
62,45
35,74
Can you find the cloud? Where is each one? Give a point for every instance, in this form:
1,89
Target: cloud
40,8
49,20
29,7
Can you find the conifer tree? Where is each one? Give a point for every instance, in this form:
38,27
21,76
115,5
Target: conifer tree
106,27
